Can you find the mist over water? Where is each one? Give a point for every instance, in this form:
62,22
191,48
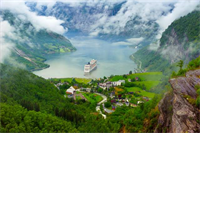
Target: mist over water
112,59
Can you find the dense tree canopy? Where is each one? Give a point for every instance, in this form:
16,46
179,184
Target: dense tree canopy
16,119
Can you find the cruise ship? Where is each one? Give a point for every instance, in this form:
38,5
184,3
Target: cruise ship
90,66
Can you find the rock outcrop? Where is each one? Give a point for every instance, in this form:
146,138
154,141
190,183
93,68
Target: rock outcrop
178,114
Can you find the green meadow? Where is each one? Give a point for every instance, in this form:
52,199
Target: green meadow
78,80
147,76
140,91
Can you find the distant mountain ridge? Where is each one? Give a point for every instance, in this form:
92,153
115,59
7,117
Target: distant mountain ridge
90,19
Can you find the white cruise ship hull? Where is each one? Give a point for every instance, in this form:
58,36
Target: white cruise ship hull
92,65
88,71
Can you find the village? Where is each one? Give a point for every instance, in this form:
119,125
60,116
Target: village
109,93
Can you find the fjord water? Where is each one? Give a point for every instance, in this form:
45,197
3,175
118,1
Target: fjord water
112,59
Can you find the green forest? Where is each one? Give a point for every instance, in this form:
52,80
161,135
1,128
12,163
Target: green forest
32,104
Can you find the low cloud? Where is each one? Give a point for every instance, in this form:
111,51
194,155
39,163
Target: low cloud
154,46
5,39
129,42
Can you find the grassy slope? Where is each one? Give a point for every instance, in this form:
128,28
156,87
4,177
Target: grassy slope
142,92
148,84
147,76
149,79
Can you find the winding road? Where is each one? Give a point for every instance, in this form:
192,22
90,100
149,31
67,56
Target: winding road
104,98
98,105
102,102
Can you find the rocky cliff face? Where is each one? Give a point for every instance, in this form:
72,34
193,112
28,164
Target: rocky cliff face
174,50
178,113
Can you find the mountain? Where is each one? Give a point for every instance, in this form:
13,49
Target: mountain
180,41
112,21
31,45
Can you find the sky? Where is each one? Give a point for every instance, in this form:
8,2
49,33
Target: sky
146,9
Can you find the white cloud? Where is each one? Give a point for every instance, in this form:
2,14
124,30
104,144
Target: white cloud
6,34
129,42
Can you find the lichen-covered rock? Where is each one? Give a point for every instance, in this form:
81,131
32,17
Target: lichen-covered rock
177,114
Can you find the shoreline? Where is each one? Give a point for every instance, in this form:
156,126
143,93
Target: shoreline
55,53
33,70
139,65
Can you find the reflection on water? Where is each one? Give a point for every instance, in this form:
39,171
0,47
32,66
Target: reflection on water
111,59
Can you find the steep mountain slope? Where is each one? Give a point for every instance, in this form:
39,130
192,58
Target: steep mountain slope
31,45
180,41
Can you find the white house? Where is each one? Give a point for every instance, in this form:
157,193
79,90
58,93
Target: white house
118,83
71,90
102,85
109,84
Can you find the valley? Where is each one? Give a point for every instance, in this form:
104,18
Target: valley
144,82
112,59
